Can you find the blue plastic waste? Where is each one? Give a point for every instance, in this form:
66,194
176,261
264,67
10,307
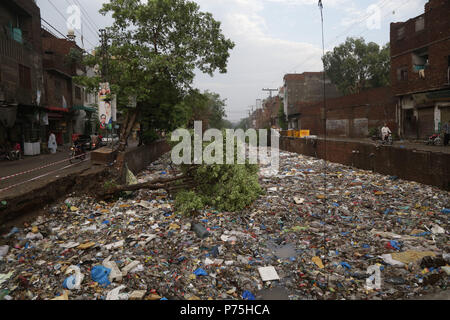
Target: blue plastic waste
345,265
100,274
69,283
247,295
200,272
396,245
445,210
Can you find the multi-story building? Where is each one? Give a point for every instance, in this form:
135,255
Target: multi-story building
304,88
65,100
21,75
420,70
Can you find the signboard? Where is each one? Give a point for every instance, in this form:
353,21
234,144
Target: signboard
104,106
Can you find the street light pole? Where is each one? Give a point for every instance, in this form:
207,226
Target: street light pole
325,211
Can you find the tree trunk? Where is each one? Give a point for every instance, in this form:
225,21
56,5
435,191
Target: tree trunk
125,131
163,183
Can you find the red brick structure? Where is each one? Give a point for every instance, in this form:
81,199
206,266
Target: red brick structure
304,88
350,116
420,70
269,114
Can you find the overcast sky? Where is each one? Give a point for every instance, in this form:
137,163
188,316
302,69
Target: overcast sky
273,37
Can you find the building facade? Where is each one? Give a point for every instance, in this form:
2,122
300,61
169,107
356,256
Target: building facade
306,87
420,70
21,74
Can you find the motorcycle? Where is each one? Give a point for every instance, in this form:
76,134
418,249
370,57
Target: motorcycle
435,140
77,153
11,155
388,141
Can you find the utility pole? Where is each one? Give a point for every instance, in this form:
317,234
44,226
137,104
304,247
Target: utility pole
104,44
270,90
105,74
325,184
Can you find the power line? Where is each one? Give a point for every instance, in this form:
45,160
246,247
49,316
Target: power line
314,56
93,24
95,33
64,18
54,28
82,16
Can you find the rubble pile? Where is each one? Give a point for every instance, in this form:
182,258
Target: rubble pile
307,238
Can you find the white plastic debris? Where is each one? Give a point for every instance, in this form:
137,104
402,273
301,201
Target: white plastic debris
437,229
389,260
115,295
268,273
4,250
34,236
129,267
114,245
115,273
78,278
5,276
69,245
148,238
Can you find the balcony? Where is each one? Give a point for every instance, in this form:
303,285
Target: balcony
16,51
58,63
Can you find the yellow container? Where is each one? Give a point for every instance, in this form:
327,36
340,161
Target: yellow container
304,133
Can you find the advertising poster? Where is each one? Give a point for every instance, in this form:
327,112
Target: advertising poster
104,106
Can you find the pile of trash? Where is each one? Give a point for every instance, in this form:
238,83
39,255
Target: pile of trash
350,234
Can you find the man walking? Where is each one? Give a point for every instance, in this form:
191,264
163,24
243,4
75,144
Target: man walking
52,143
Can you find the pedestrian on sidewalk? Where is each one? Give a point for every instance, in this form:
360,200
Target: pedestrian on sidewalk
446,133
52,143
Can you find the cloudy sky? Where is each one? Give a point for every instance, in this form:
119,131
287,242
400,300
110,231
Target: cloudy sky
273,37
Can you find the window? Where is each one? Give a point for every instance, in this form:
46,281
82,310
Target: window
78,93
420,24
420,60
402,74
401,33
24,77
58,89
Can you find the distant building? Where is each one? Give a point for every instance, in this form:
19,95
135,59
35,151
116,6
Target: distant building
304,88
420,70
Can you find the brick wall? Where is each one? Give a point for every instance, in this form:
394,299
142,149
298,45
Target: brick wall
13,53
435,36
424,167
352,115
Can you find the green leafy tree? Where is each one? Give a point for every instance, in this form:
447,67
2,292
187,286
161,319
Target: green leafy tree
355,66
225,187
154,49
282,117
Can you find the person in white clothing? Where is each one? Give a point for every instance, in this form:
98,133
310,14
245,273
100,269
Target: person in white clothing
52,143
385,132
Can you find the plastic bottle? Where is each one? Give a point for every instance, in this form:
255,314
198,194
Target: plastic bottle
200,230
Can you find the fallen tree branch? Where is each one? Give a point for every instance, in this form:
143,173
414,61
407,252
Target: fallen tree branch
163,183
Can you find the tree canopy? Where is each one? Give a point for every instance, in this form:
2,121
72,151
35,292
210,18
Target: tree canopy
152,53
356,65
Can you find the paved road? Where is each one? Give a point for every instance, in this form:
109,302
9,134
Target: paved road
61,158
55,165
421,146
